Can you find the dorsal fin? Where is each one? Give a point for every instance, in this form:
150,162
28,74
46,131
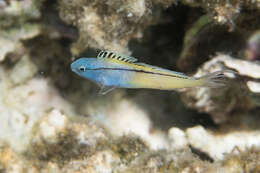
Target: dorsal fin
109,54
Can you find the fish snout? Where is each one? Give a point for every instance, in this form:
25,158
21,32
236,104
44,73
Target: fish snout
73,67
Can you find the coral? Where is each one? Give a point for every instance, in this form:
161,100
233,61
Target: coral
102,161
253,47
177,138
205,141
53,121
12,162
16,26
129,147
224,12
11,40
127,118
204,39
108,24
215,101
23,70
23,101
109,161
51,126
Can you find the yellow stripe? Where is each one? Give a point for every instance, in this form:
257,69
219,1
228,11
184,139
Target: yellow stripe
155,81
144,68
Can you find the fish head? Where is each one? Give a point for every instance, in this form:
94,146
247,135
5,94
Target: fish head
83,66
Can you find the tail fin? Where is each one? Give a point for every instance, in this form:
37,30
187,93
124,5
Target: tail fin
216,79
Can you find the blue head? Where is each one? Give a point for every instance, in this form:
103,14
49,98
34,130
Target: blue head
84,67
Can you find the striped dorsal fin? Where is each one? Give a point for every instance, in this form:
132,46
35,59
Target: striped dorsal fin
112,55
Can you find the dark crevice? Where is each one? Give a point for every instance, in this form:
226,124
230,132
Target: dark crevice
202,155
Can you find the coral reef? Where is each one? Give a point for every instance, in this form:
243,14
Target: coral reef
70,152
206,142
15,25
225,11
253,46
109,24
53,121
216,102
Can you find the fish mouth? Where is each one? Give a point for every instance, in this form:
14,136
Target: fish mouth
72,67
74,70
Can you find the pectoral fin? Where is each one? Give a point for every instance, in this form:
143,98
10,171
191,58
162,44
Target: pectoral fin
105,89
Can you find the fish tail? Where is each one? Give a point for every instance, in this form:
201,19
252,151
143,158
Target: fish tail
214,80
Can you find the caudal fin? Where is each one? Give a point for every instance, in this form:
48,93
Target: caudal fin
216,79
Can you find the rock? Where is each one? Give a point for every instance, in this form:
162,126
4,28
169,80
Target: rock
123,117
23,106
52,125
253,45
54,121
224,12
178,139
218,146
123,21
23,71
100,162
237,95
15,25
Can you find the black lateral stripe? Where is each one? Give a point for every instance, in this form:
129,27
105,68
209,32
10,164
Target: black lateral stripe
141,71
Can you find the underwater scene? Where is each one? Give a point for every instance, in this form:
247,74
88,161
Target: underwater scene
129,86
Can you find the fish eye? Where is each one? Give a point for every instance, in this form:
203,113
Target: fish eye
82,68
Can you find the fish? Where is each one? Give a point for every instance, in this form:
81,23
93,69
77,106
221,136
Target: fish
111,70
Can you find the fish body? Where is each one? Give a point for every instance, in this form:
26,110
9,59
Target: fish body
114,70
104,73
